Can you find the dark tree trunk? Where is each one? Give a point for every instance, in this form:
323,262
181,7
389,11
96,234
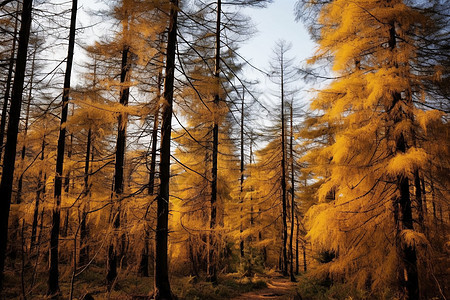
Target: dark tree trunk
84,247
291,150
213,250
283,175
24,146
69,156
419,200
409,281
193,258
8,82
241,245
53,279
304,258
151,183
143,264
296,248
119,166
13,129
39,190
162,285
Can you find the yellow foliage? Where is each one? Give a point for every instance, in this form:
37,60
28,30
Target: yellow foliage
405,163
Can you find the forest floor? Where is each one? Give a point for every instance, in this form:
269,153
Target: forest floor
280,288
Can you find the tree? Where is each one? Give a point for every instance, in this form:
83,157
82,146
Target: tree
282,73
162,285
8,81
53,279
13,127
373,156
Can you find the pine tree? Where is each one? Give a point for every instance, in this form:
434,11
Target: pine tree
373,157
162,285
13,127
53,280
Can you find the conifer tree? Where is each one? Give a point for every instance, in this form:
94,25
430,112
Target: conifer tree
8,80
53,280
13,127
162,285
373,155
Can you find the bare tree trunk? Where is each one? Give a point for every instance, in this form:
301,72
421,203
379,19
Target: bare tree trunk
213,251
13,129
241,195
162,285
8,81
53,279
24,146
151,183
39,189
296,248
291,150
144,262
84,246
119,166
283,173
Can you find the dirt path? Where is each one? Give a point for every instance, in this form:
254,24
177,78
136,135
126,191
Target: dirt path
277,288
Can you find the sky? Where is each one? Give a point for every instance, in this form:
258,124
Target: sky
276,22
273,23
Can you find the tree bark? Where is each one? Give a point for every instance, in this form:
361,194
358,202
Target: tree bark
84,247
53,279
13,129
291,150
241,195
24,146
283,174
296,247
162,285
39,189
213,251
8,82
119,165
409,281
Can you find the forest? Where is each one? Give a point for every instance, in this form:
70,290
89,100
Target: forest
145,163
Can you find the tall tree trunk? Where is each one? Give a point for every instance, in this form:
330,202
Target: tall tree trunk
53,279
291,150
144,262
84,247
69,156
119,165
39,189
296,247
24,146
162,285
8,82
409,278
409,281
241,195
283,174
151,183
13,129
213,251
